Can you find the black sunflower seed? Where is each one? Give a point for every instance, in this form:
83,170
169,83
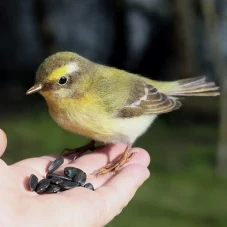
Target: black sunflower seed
66,185
33,181
89,186
50,175
42,186
55,164
53,188
80,178
72,171
56,180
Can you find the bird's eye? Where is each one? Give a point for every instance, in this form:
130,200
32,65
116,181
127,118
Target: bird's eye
62,80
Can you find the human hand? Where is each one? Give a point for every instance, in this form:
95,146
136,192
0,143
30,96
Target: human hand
78,206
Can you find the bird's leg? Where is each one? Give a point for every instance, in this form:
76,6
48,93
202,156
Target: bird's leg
80,150
116,165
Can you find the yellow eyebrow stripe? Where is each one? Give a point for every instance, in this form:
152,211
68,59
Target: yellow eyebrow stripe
57,73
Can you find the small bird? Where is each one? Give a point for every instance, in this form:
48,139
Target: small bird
106,104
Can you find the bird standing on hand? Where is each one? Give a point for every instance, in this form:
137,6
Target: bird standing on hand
107,104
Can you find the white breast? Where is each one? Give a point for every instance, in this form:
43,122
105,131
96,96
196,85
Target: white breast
131,128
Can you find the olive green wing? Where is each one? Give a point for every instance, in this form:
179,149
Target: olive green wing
144,99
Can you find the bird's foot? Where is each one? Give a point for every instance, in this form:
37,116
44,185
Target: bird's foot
116,165
80,150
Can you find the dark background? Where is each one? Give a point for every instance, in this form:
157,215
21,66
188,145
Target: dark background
161,39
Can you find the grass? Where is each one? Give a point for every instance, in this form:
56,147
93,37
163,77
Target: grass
183,189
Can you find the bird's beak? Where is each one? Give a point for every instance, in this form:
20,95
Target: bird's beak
34,89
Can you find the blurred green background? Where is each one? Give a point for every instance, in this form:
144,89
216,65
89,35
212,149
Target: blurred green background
161,39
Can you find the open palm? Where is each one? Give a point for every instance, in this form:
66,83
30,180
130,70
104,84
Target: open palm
78,206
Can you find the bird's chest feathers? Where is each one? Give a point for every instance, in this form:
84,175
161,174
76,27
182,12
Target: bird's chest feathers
78,116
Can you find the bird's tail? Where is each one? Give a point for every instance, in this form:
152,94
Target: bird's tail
197,86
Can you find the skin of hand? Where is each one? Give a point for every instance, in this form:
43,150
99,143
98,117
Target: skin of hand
78,206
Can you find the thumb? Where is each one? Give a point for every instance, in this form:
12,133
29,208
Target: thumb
3,142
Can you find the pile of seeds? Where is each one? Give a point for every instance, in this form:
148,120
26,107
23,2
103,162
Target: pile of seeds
54,183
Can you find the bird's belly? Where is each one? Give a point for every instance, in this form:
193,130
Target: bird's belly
100,128
129,129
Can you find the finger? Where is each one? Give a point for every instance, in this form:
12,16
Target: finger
3,142
120,190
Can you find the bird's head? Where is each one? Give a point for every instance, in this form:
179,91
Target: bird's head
63,75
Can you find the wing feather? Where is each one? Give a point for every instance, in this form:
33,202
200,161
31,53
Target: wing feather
146,99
